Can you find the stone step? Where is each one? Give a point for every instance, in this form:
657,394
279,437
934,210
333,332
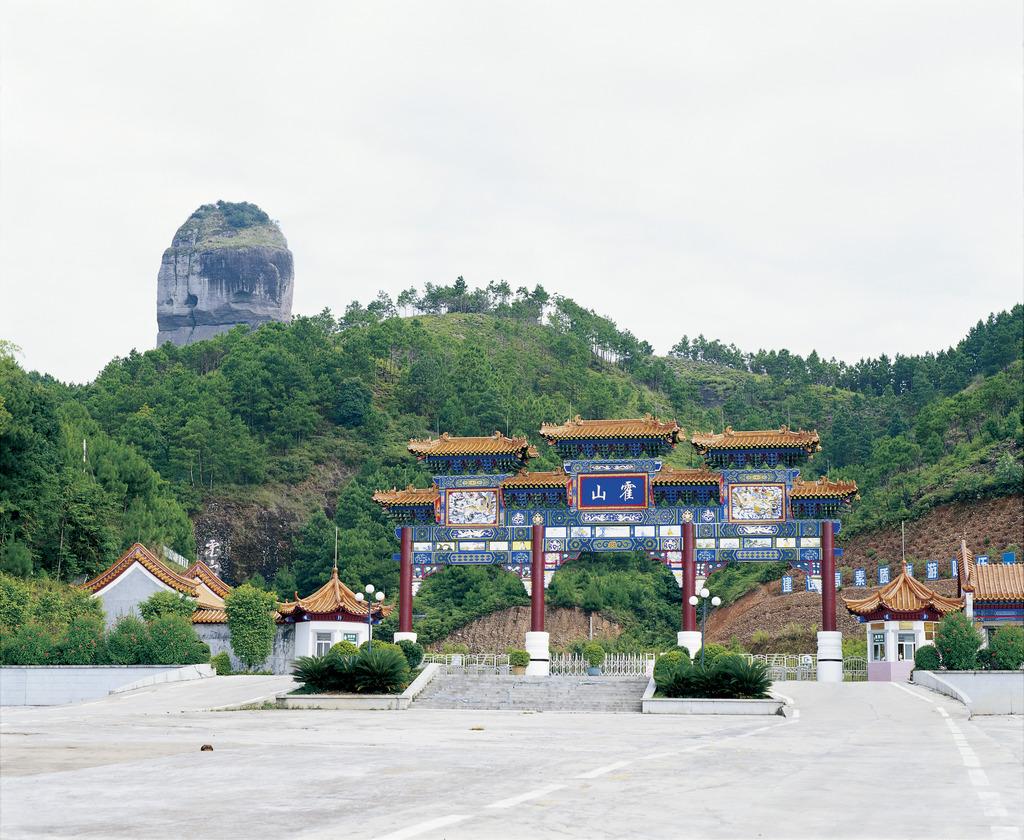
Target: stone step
521,693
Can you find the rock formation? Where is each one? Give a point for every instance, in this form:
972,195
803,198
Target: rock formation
229,264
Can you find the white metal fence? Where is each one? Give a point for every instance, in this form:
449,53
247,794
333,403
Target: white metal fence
469,663
614,664
804,666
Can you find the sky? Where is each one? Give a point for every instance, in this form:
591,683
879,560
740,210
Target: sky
839,176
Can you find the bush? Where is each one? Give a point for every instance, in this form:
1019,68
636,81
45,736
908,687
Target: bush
381,644
251,622
712,653
413,652
128,642
958,642
173,641
31,644
83,643
16,559
15,603
594,654
667,664
1007,648
518,658
221,663
927,658
381,671
454,647
985,660
311,671
334,672
167,603
343,648
729,678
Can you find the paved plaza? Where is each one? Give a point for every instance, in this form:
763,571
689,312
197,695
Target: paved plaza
871,760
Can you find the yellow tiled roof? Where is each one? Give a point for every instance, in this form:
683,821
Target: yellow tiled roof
332,597
989,582
902,595
201,572
642,427
672,475
210,616
780,438
496,444
823,488
408,497
138,553
539,479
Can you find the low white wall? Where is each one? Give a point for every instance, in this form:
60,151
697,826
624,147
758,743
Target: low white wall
56,685
377,702
982,692
695,706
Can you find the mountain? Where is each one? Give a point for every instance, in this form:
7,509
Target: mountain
267,438
228,264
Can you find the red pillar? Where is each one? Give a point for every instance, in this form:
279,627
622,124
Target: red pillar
405,583
537,580
689,578
828,577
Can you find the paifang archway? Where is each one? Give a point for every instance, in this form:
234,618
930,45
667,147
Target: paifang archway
613,493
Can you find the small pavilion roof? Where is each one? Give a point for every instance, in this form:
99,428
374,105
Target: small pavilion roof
540,479
781,438
204,574
496,444
823,488
332,597
989,582
138,553
905,594
642,427
673,476
210,616
409,497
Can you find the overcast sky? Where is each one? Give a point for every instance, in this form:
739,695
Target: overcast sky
840,176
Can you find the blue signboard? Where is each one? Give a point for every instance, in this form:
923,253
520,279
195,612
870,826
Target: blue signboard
787,584
809,584
954,567
883,574
860,577
1009,557
910,569
624,491
931,570
981,559
839,579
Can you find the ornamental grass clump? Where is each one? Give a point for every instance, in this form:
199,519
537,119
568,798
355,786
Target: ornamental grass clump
381,671
729,678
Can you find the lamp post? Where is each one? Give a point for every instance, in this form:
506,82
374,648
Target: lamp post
703,595
369,597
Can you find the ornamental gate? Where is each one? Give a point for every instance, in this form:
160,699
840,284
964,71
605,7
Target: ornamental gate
614,493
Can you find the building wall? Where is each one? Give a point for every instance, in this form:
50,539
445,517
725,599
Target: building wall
123,596
306,633
218,637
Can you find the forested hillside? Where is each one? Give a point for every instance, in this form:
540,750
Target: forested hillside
249,418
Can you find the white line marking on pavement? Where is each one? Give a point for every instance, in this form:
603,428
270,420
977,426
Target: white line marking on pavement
600,771
1005,832
656,756
422,827
978,778
523,797
943,712
912,693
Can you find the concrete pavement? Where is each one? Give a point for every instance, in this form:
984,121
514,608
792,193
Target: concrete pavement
856,760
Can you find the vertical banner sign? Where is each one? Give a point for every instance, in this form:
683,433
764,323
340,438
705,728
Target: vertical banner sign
883,575
839,579
981,559
954,567
860,577
787,584
1009,557
931,570
910,569
809,584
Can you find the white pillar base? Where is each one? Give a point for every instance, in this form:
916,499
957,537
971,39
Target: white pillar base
689,639
830,656
402,637
537,645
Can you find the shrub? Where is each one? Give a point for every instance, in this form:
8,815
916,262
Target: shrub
251,622
594,654
518,658
341,673
985,660
381,671
927,658
83,643
343,648
667,664
311,671
15,602
958,642
31,644
454,647
167,603
729,678
16,559
128,642
381,644
413,652
1007,648
221,663
334,672
712,653
173,641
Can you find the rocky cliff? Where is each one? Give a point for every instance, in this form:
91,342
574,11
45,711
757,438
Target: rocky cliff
229,264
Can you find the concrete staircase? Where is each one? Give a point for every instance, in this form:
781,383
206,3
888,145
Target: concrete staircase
541,694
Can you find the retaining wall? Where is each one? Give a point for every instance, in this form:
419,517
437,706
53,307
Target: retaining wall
56,685
982,692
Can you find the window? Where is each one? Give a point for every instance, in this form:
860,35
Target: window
352,637
905,647
323,644
878,647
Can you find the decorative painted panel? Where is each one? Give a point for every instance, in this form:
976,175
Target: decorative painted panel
757,502
472,507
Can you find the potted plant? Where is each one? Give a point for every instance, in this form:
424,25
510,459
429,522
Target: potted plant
518,660
594,654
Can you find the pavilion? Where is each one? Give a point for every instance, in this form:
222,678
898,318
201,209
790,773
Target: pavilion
993,593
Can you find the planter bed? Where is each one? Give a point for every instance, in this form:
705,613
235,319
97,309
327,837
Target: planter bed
699,706
360,702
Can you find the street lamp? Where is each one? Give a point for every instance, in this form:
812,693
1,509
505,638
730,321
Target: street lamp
369,597
694,600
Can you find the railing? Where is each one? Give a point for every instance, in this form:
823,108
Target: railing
614,664
469,663
804,666
855,669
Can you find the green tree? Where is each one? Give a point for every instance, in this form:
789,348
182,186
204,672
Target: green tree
958,641
173,641
167,603
16,559
251,622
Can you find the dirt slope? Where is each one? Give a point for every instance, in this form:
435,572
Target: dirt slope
507,628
